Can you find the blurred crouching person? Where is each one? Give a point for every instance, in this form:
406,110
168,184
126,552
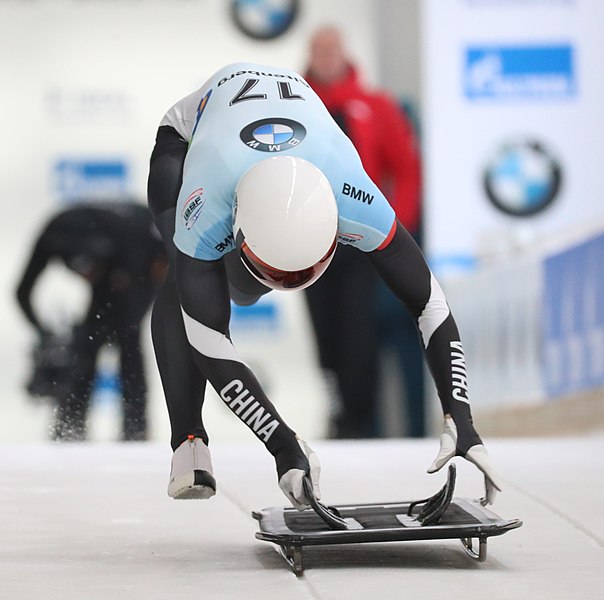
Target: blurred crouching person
117,250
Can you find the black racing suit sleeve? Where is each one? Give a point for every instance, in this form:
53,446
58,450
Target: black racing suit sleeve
204,295
403,268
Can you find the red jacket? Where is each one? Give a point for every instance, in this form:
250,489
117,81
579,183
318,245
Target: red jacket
384,139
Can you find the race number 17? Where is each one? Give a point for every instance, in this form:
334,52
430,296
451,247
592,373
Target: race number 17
245,93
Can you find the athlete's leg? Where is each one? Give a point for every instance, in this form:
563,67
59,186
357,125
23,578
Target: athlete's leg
183,383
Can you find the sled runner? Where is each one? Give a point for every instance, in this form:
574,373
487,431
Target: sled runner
439,517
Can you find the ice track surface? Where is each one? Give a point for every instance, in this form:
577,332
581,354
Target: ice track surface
93,521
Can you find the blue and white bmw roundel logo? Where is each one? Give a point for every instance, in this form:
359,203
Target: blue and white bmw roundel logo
273,135
264,19
522,178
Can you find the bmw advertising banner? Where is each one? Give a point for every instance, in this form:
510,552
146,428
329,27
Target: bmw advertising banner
513,124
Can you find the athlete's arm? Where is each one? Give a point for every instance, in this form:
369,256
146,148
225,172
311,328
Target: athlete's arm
402,266
204,295
404,269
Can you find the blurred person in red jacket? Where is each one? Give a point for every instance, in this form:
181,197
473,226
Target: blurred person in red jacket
352,312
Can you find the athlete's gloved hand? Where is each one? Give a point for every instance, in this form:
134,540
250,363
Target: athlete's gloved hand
450,446
291,481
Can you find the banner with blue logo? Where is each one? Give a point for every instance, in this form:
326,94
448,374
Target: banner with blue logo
83,179
519,71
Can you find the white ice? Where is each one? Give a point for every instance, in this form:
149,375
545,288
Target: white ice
93,521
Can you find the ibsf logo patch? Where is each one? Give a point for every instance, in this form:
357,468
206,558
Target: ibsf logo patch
192,208
273,135
349,238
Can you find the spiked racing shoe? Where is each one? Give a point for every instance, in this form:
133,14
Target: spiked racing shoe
191,475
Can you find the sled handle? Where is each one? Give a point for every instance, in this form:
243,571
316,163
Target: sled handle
327,514
435,506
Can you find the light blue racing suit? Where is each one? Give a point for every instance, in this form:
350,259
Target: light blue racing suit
243,114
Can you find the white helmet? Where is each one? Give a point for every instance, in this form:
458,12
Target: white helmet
285,222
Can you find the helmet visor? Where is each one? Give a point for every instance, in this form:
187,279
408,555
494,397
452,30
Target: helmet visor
285,280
